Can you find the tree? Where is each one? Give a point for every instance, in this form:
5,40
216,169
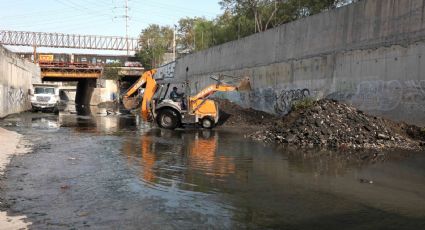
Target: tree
241,18
261,11
204,34
154,41
266,14
111,71
186,33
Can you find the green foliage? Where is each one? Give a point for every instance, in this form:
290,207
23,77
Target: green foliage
204,34
241,18
155,41
304,103
111,71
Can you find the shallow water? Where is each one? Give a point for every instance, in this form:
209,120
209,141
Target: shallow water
92,170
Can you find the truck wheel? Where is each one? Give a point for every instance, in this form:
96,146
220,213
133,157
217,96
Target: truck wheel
207,123
168,119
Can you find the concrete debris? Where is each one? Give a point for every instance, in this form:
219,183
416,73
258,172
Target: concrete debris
108,105
232,115
365,181
65,187
326,124
331,124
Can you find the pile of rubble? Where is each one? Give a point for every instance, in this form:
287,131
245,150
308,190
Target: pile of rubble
232,115
332,124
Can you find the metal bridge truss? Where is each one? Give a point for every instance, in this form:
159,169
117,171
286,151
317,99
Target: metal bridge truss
58,40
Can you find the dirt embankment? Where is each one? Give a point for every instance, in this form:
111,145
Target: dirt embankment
327,124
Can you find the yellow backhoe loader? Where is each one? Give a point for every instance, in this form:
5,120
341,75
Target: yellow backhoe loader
155,104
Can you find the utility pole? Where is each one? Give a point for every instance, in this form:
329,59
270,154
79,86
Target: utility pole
194,40
126,26
174,43
35,53
239,28
35,49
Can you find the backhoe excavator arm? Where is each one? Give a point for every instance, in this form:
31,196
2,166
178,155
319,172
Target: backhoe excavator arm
150,90
139,83
149,82
244,85
211,90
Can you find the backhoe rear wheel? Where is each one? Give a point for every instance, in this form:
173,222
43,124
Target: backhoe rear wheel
168,119
207,123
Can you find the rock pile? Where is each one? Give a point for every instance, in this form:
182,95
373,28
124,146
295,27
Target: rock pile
232,115
332,124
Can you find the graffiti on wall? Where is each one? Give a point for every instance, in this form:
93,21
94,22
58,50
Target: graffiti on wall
166,71
286,98
274,100
16,98
379,95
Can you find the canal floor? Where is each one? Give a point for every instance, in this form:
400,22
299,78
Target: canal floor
99,171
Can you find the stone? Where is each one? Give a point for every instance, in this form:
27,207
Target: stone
383,136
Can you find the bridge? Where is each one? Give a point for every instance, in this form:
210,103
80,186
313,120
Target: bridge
75,41
70,70
83,69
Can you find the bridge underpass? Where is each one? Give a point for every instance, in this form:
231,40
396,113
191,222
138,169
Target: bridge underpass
85,74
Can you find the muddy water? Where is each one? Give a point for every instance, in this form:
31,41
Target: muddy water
99,171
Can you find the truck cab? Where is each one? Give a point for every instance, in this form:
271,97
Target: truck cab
45,98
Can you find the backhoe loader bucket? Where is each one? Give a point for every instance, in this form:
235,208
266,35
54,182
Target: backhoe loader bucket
245,85
131,103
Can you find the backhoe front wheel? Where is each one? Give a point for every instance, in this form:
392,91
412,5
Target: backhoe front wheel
168,119
207,123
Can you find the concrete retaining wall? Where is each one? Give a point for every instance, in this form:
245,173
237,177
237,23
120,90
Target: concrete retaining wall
16,79
108,93
370,54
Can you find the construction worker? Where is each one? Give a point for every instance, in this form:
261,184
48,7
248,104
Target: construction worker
177,97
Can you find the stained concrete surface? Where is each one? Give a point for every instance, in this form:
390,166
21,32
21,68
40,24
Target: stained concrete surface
92,171
370,54
16,79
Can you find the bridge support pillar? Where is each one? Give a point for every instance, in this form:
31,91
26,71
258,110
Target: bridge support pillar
85,88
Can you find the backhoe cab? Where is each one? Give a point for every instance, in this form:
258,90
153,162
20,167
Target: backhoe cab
156,105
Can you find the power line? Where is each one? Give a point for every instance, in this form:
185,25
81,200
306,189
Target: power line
175,8
79,7
126,23
126,19
37,13
78,18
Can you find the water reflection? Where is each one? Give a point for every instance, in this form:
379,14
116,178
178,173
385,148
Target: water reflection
173,158
203,155
254,185
93,119
268,186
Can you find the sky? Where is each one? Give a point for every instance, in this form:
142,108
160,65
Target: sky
98,17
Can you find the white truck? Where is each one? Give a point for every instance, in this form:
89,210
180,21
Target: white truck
45,97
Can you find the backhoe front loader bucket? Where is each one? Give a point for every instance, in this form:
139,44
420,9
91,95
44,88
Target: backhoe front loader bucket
245,85
131,103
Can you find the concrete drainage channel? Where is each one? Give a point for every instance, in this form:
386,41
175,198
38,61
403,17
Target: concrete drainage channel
102,171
